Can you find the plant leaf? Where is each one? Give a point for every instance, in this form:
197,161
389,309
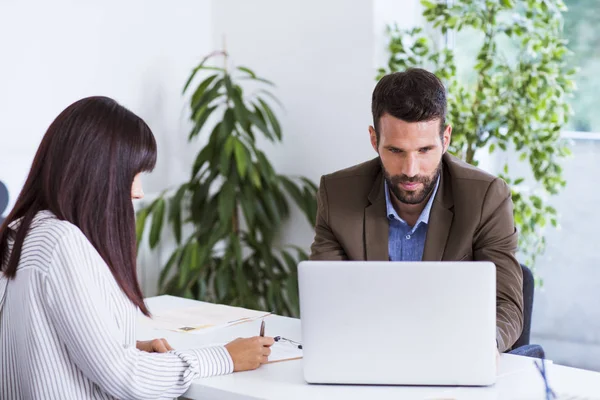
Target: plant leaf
207,98
193,74
261,125
272,96
248,71
167,268
200,198
200,90
240,158
255,177
175,212
235,94
227,125
248,210
225,163
140,223
200,119
223,278
226,202
272,118
185,266
158,215
309,184
256,78
203,157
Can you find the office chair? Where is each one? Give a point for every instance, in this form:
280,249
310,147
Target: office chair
3,200
522,345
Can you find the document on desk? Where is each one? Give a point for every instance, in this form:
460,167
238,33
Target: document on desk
199,318
284,352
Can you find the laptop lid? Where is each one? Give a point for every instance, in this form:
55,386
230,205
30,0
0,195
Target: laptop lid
408,323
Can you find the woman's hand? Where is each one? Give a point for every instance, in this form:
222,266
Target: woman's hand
248,354
154,346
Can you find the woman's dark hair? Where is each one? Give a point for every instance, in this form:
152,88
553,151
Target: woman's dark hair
83,172
414,95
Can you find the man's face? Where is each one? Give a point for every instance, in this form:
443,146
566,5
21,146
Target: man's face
410,155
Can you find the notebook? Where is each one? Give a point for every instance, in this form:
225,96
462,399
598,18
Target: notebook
284,352
279,352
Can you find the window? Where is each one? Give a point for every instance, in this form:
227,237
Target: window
581,29
566,319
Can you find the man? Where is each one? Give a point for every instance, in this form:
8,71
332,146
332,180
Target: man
417,202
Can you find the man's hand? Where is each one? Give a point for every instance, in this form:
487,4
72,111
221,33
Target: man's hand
248,354
154,346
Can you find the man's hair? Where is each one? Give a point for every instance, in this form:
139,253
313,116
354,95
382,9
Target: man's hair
415,95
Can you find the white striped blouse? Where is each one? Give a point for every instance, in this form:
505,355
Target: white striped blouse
67,331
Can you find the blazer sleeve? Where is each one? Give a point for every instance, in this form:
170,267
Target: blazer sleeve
325,245
496,240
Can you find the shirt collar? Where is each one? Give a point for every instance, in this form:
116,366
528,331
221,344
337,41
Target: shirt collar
423,218
40,215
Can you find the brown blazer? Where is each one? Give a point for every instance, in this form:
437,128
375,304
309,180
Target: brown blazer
471,219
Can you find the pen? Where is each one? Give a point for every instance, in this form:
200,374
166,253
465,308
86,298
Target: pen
262,328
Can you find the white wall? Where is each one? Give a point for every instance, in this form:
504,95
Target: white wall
321,56
137,51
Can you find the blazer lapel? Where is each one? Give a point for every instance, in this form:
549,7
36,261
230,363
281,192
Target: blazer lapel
376,224
440,221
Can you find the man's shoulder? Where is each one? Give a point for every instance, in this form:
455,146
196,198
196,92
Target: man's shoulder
460,170
366,170
471,183
351,186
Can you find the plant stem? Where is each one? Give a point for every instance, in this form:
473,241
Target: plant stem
235,219
470,154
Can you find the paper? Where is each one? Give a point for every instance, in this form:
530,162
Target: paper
279,352
284,351
204,316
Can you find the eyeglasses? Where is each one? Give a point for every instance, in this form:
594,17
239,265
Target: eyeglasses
282,339
541,367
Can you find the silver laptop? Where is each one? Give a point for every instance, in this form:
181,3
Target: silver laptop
398,323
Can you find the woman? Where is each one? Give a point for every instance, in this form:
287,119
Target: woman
68,287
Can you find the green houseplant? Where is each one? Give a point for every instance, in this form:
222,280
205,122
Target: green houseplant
226,218
516,100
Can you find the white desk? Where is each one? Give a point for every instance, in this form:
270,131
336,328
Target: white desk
518,378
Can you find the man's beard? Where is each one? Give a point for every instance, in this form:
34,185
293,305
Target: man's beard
414,196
